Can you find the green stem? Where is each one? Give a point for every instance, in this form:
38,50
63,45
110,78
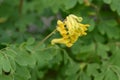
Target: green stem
46,38
20,7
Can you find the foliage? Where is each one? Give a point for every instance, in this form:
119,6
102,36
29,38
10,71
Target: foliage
23,23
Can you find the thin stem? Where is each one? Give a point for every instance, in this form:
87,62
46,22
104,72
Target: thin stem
95,7
46,38
20,7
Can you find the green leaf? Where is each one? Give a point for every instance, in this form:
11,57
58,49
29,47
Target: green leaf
100,76
98,37
87,48
56,60
22,73
92,69
24,21
10,53
115,57
92,25
71,77
83,48
81,1
110,75
83,76
115,6
107,1
25,59
65,57
30,41
116,70
5,63
102,50
82,52
110,28
71,68
69,3
6,77
89,21
55,5
45,55
40,74
28,6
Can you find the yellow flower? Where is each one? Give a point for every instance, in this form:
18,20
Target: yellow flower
70,29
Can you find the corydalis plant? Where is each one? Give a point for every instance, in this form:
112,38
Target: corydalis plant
70,29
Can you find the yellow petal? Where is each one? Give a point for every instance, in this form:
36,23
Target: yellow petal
61,41
70,29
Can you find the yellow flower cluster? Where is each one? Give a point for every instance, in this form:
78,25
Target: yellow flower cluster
70,29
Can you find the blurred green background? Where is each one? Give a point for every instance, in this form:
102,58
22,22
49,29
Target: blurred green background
24,23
